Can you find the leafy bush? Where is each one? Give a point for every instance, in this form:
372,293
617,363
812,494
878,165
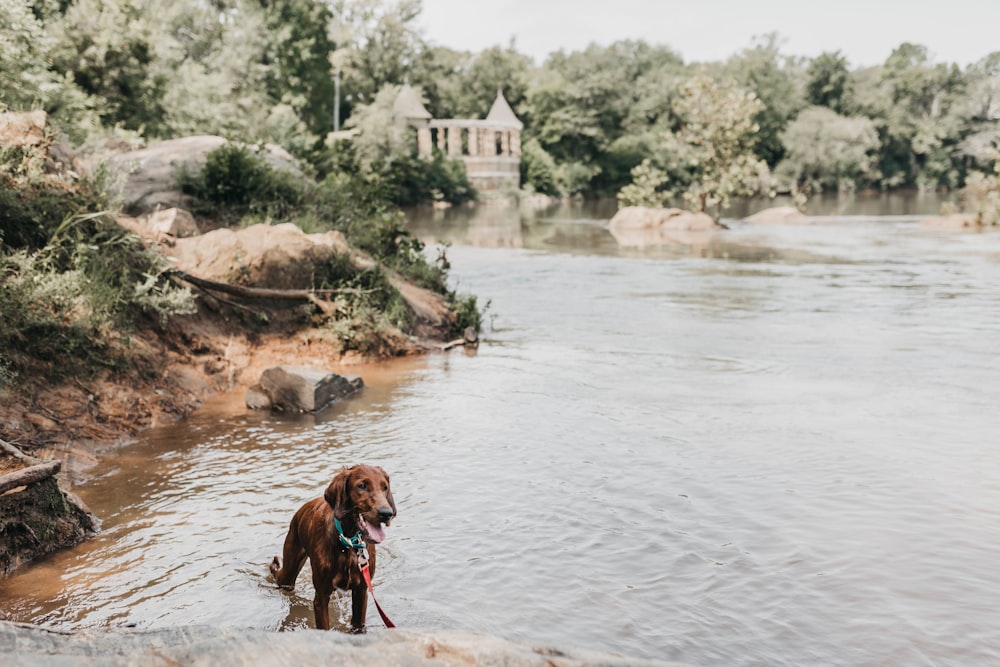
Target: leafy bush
71,280
236,180
538,168
648,187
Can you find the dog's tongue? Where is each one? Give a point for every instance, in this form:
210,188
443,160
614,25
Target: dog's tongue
375,532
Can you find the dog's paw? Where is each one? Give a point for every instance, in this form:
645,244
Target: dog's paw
275,566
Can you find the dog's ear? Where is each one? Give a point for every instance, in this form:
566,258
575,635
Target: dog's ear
388,491
336,494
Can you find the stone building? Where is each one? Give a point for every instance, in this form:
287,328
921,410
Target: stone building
489,148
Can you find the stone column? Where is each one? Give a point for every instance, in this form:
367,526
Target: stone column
424,142
489,143
505,142
441,140
454,141
473,142
515,143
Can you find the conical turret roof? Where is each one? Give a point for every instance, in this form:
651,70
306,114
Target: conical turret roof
408,105
501,113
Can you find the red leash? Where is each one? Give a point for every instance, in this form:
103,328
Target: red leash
368,580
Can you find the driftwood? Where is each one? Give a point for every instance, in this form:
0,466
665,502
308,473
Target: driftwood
26,476
470,338
35,472
264,292
310,295
17,453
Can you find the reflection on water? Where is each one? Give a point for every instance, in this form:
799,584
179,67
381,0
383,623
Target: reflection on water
582,226
778,451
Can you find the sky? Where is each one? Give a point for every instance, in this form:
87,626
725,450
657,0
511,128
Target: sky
954,31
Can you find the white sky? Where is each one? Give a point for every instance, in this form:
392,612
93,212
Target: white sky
961,31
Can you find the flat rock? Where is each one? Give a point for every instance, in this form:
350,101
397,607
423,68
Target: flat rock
778,215
24,645
300,389
674,219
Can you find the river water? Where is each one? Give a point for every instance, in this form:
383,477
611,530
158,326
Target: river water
776,445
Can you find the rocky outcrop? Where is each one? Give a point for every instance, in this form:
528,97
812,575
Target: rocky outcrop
641,227
275,256
31,130
284,257
300,389
28,646
778,215
151,173
36,516
672,219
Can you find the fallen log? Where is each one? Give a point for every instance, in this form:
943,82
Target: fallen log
264,292
18,454
28,476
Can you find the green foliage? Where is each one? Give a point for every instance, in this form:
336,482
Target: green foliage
413,180
649,187
296,60
981,195
236,180
377,44
109,49
828,151
712,151
581,103
829,82
384,151
463,85
774,80
538,169
468,314
71,279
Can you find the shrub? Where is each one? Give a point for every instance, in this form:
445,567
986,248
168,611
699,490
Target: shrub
236,180
71,280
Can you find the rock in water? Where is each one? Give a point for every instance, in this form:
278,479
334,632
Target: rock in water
300,389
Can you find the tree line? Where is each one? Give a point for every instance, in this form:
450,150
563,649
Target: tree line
629,115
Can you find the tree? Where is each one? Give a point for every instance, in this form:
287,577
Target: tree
107,46
829,81
380,141
715,142
579,105
377,44
825,150
296,57
776,81
922,124
649,187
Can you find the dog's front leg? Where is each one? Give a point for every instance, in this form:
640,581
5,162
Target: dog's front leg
359,608
321,603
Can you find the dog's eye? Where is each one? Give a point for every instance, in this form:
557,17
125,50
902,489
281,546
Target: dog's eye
363,486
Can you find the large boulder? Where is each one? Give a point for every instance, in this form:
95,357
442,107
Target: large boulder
300,389
673,219
273,256
778,215
151,173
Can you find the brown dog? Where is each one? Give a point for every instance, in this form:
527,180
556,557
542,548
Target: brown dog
360,500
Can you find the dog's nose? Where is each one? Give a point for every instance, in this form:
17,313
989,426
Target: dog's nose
385,514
